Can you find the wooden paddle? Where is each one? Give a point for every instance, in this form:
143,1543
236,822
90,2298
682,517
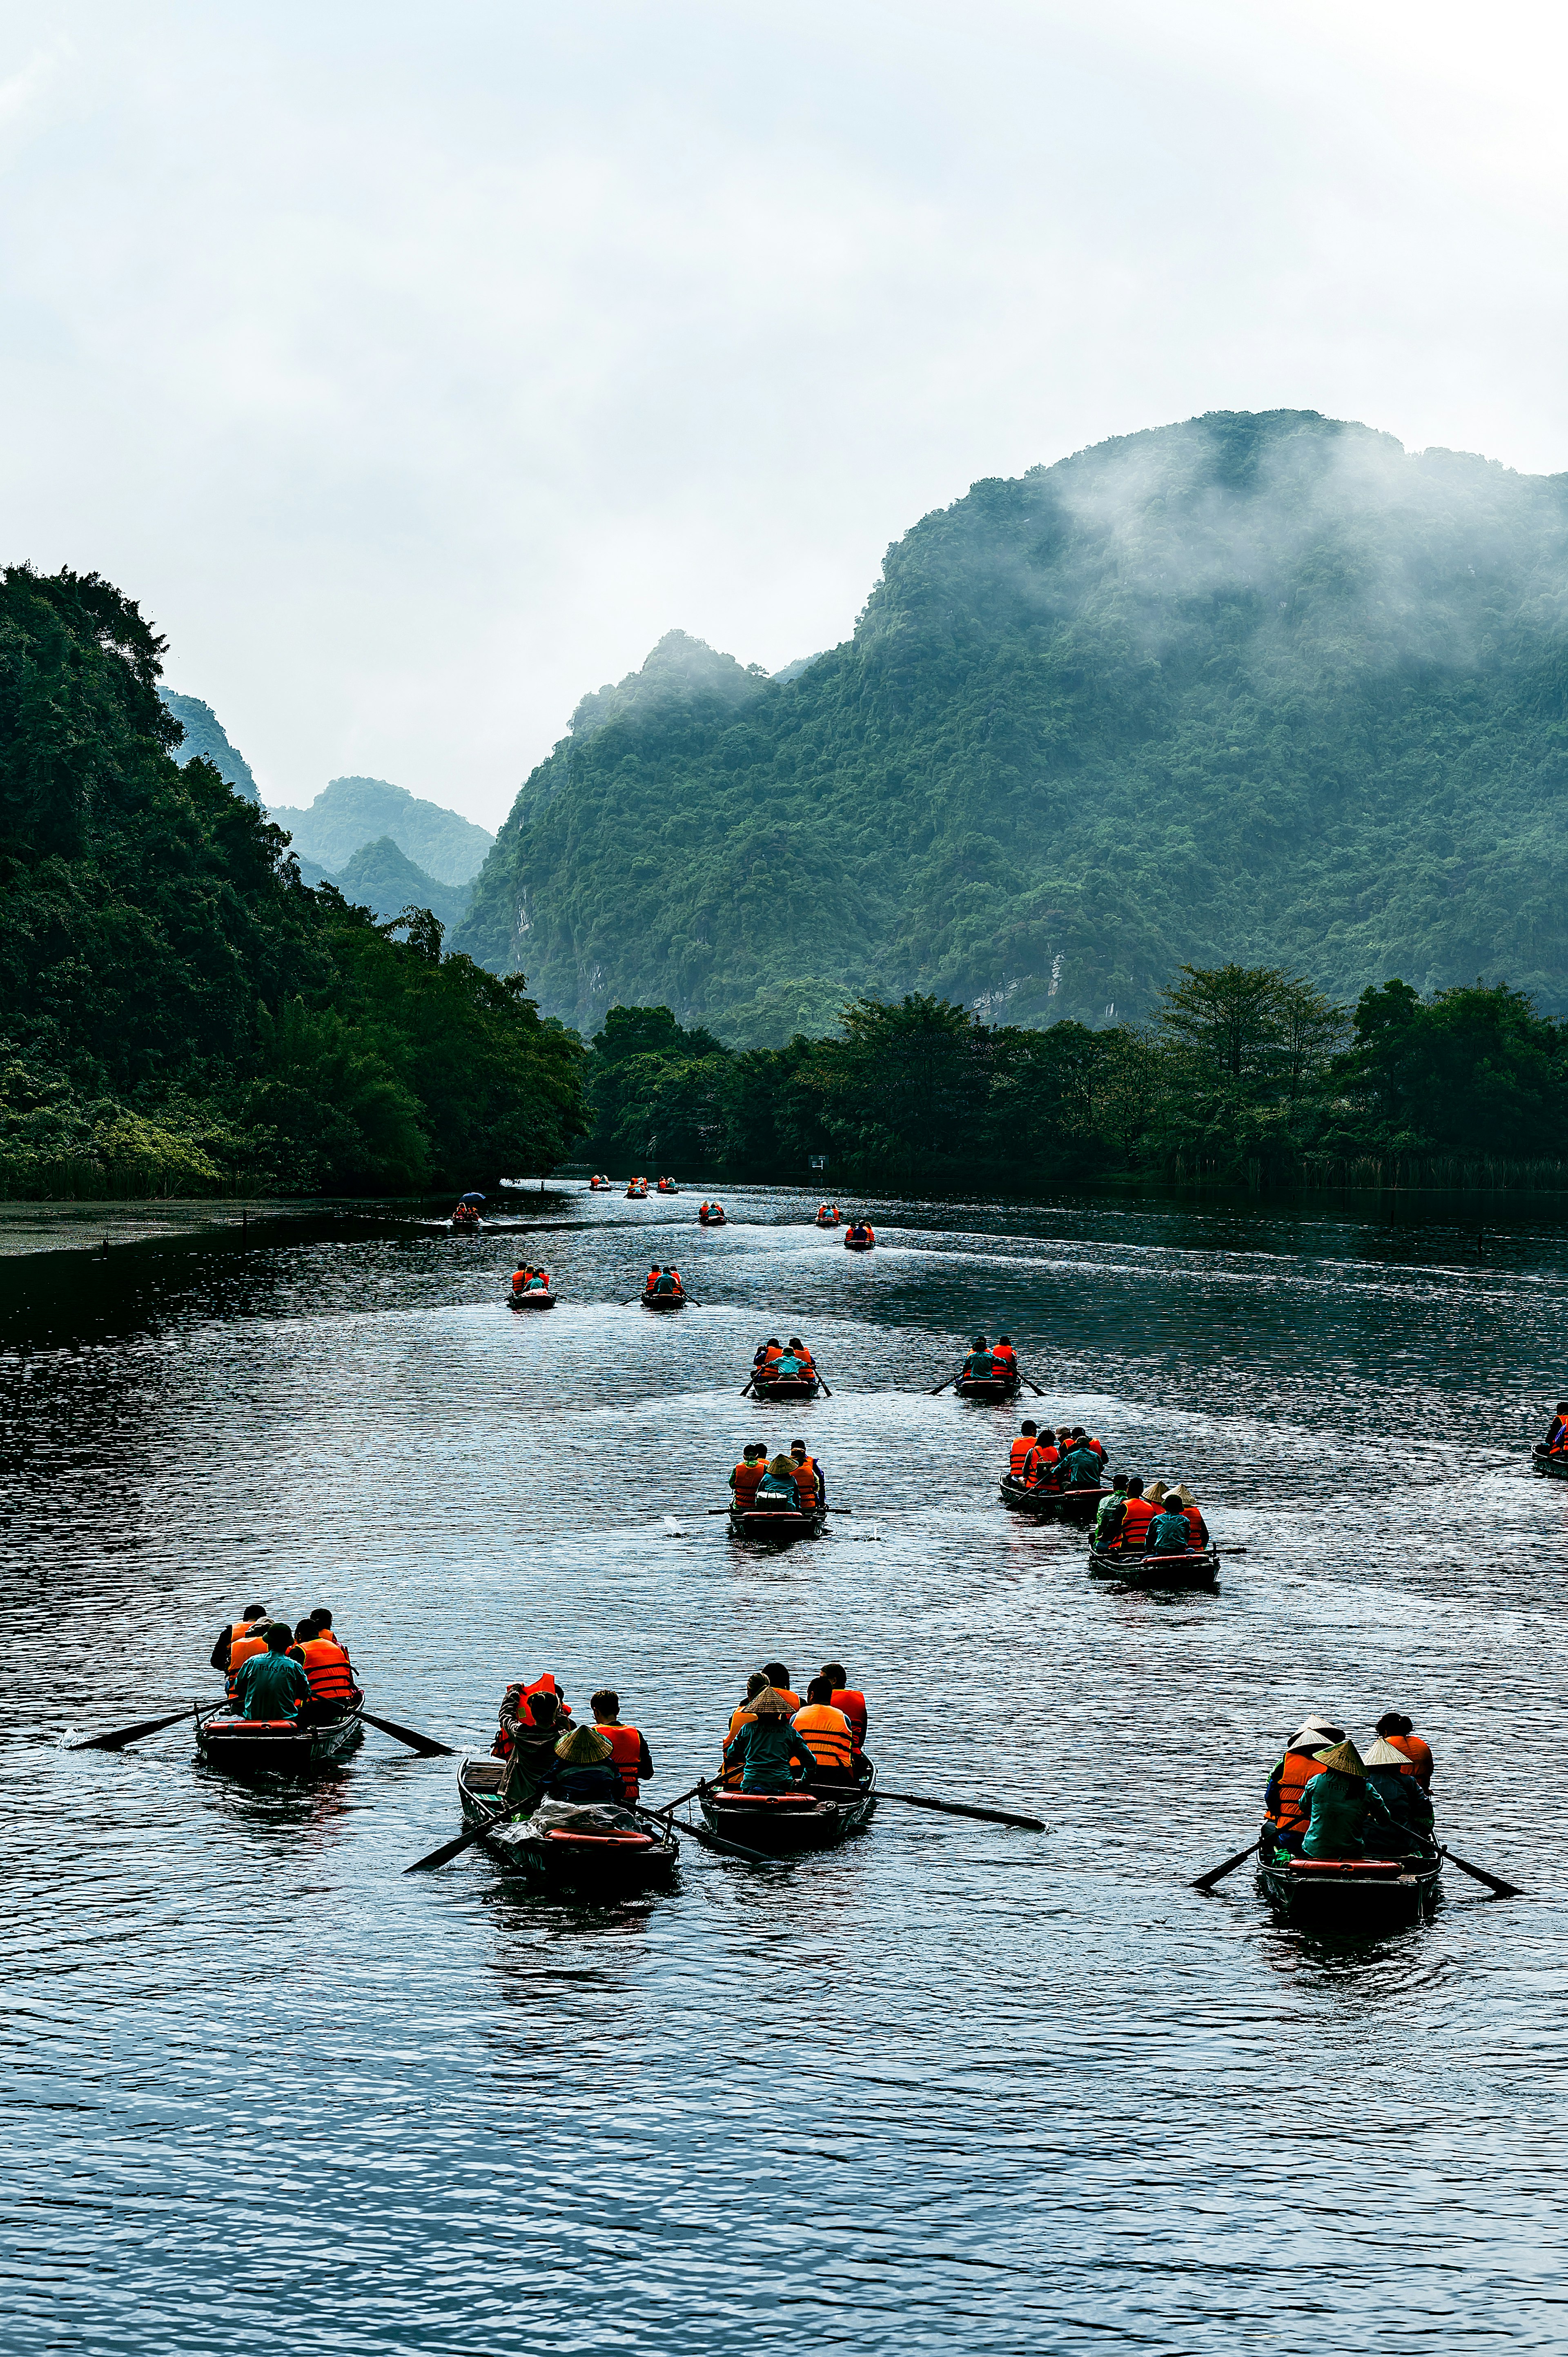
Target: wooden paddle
962,1809
731,1849
1494,1882
941,1386
452,1849
1218,1873
425,1745
1034,1386
124,1734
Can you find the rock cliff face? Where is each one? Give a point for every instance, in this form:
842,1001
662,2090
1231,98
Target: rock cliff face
204,736
1254,687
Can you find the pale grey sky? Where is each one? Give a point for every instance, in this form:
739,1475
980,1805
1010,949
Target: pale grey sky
417,366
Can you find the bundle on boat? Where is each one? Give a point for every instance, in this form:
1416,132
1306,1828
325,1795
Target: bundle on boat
1195,1567
275,1746
562,1844
816,1817
1078,1505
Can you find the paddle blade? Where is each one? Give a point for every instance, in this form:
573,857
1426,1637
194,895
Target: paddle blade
425,1745
1218,1873
1494,1882
124,1734
730,1848
449,1850
963,1809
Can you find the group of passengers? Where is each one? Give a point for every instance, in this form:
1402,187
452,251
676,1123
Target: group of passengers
1068,1459
551,1757
782,1362
279,1669
1326,1799
992,1362
665,1281
526,1278
796,1481
711,1210
776,1742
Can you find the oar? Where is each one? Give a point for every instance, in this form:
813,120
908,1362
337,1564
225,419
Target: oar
1494,1882
1218,1873
962,1809
730,1849
425,1745
1034,1386
123,1735
827,1387
941,1386
452,1849
747,1386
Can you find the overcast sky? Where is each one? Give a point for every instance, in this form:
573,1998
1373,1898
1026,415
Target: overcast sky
416,368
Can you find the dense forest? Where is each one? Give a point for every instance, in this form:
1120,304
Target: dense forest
179,1012
1241,1075
1256,688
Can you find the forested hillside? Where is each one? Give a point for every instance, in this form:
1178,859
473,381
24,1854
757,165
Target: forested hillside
179,1013
205,739
1256,689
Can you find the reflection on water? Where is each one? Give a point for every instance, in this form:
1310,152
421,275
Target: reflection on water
948,2083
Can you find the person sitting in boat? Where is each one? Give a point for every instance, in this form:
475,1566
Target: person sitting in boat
519,1715
1006,1356
827,1733
779,1486
519,1276
1021,1449
1285,1814
1170,1533
236,1631
766,1749
629,1746
860,1231
980,1364
584,1770
850,1700
1399,1730
248,1648
269,1684
1395,1788
778,1677
738,1719
327,1665
1336,1804
746,1475
1042,1465
1193,1513
768,1353
538,1280
1127,1526
808,1364
667,1281
808,1478
1080,1468
1107,1507
1556,1441
1087,1441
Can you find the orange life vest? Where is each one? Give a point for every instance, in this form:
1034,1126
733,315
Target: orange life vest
792,1699
852,1702
626,1750
1297,1773
1005,1355
826,1733
1418,1753
1022,1447
806,1482
1136,1516
747,1477
1042,1462
327,1667
242,1652
518,1280
1194,1523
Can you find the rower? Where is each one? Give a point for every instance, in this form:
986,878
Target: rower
1108,1506
737,1719
234,1632
1080,1468
268,1685
979,1363
666,1282
530,1729
828,1735
1170,1533
518,1712
1082,1440
628,1748
768,1750
778,1677
849,1699
1021,1448
584,1770
1335,1803
1285,1817
327,1665
808,1478
1401,1732
746,1475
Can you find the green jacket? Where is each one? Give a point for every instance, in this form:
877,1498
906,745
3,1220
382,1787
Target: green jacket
1339,1805
270,1686
763,1750
1117,1498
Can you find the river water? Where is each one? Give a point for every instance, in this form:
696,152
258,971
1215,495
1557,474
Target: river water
949,2087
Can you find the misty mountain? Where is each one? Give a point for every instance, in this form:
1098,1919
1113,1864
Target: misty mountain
204,736
380,879
351,813
1254,687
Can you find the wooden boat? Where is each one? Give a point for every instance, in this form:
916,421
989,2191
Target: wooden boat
636,1193
273,1747
785,1387
1198,1567
539,1299
776,1524
596,1186
860,1243
1555,1467
994,1389
1059,1505
667,1186
1351,1894
784,1824
604,1864
663,1301
713,1218
827,1222
466,1223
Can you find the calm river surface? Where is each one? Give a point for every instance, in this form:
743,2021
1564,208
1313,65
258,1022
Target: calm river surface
951,2088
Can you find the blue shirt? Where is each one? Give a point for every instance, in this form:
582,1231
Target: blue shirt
270,1686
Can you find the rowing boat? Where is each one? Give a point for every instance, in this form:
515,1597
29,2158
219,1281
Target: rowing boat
662,1189
1062,1505
538,1299
271,1747
1556,1467
1350,1894
663,1301
713,1219
465,1227
786,1387
783,1824
829,1223
994,1389
859,1244
1197,1567
597,1852
777,1523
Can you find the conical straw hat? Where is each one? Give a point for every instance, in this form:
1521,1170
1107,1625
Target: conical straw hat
769,1703
583,1747
1344,1757
1382,1754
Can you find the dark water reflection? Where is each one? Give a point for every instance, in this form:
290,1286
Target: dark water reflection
950,2086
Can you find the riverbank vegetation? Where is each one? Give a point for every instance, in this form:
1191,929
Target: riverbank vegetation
179,1013
1242,1075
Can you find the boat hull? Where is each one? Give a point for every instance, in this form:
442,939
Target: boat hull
1200,1568
776,1525
663,1301
1056,1505
859,1244
533,1301
1352,1895
585,1865
1554,1468
992,1389
706,1220
829,1223
794,1387
787,1824
273,1747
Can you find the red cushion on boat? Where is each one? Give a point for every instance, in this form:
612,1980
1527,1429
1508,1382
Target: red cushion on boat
1381,1865
765,1800
628,1841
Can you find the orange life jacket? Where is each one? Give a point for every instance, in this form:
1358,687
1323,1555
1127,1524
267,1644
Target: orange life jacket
806,1482
738,1719
1022,1447
1042,1462
242,1652
327,1667
852,1702
1098,1447
626,1750
1005,1355
1136,1516
747,1477
826,1733
1297,1773
1196,1525
1418,1753
518,1280
792,1699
